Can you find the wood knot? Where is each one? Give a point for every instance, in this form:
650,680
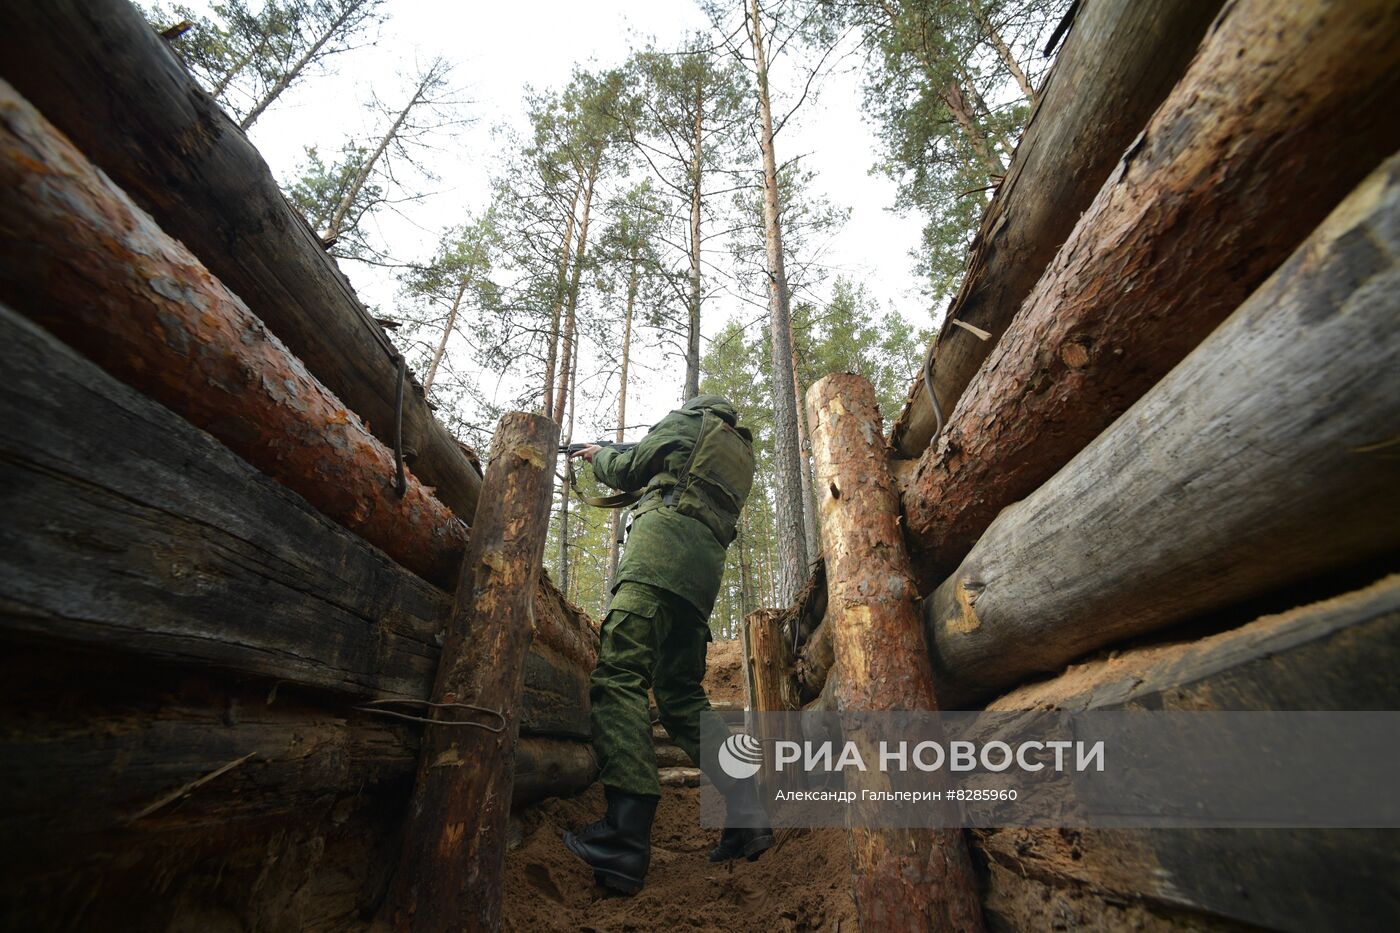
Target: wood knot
1075,355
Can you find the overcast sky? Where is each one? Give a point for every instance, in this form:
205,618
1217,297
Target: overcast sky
500,49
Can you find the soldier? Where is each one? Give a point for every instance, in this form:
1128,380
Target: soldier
692,473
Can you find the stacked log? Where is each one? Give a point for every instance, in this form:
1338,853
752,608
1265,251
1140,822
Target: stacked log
191,641
1264,458
1339,654
79,258
1276,119
1118,63
100,73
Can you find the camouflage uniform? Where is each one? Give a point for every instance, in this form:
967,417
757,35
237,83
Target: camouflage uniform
657,627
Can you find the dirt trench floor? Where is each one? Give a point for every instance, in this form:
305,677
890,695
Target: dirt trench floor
803,883
800,884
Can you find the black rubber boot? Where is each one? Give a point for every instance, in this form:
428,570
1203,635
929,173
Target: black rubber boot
618,848
746,834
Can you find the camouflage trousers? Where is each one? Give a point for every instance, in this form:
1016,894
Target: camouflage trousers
651,639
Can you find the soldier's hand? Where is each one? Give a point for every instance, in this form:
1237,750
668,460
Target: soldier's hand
586,453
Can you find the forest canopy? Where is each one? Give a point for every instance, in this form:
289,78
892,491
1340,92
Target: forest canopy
653,226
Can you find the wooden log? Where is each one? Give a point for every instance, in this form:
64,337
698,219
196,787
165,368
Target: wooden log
80,259
771,659
129,532
1339,654
910,879
814,663
98,71
1118,63
139,785
1274,122
454,844
1265,458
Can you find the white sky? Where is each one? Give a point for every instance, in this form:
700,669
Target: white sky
500,49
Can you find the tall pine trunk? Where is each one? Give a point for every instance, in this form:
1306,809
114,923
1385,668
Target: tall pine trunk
792,537
571,381
352,191
615,520
447,329
692,347
804,446
560,295
285,79
571,310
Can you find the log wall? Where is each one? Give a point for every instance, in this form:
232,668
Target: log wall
98,71
185,641
1264,458
1339,654
1118,62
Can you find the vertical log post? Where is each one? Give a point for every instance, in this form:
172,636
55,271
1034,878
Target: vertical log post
915,878
770,666
451,870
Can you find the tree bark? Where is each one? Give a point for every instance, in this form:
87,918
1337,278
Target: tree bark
312,52
189,557
1119,62
566,355
561,292
1261,459
793,558
615,516
804,447
450,876
910,879
572,383
1339,654
1194,219
347,200
692,344
1004,53
431,375
81,260
956,100
175,152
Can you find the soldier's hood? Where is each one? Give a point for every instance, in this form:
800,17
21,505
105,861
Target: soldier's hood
714,403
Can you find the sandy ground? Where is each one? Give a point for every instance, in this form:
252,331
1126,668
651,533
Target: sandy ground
801,884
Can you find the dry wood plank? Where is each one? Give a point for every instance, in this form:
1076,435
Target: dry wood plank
1338,654
1266,457
128,531
101,74
1118,63
80,259
450,873
910,878
1277,118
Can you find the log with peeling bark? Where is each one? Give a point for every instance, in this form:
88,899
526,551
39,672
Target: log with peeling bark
80,259
1117,65
100,73
1277,118
905,878
1267,457
770,657
1338,654
159,792
450,874
129,532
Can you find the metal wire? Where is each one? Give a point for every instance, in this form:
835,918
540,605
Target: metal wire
373,707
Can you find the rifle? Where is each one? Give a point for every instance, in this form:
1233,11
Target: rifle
572,449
